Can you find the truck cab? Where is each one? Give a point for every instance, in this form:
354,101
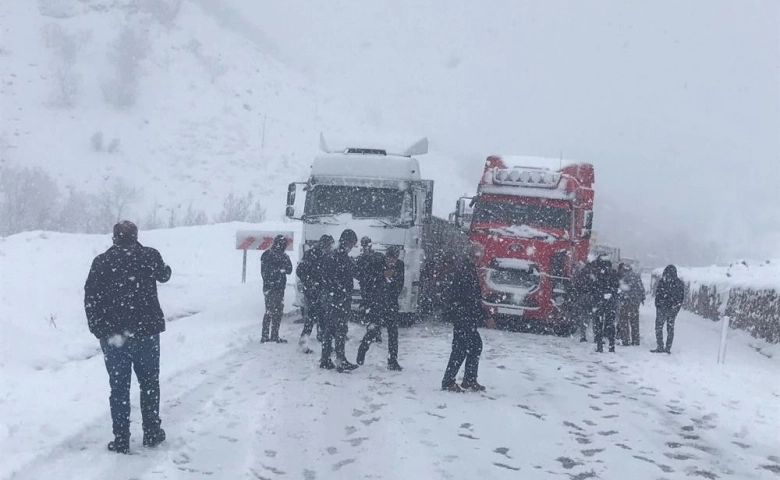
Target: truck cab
375,192
529,223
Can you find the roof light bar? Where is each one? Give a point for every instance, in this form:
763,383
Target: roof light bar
526,177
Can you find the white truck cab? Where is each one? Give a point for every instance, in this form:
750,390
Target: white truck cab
375,192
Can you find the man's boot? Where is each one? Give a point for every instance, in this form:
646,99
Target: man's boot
345,366
393,366
154,438
119,445
472,385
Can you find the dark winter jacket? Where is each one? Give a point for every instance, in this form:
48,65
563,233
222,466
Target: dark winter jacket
310,272
606,286
631,289
120,295
670,291
338,274
463,306
583,286
387,290
275,265
369,267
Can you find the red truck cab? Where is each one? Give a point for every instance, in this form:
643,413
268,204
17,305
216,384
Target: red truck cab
529,223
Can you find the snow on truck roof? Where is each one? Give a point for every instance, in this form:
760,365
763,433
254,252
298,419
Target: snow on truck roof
357,165
369,159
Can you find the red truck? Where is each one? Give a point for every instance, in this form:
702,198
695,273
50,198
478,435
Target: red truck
529,224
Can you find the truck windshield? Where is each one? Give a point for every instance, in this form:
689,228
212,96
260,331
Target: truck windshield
361,202
508,213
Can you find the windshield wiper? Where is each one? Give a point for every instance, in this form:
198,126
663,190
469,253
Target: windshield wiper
320,218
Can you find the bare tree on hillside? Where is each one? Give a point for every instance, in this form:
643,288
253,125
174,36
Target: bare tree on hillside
125,54
241,209
65,48
28,200
115,201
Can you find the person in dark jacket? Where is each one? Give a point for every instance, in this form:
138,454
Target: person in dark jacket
464,308
339,274
369,267
669,296
123,312
607,288
582,301
275,265
632,295
310,277
386,283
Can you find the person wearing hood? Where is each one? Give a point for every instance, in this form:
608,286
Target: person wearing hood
669,296
310,272
581,302
339,274
275,265
464,308
632,294
123,312
387,283
607,287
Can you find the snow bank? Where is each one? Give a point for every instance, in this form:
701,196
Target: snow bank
749,293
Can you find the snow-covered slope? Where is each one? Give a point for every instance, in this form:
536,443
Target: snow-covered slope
178,99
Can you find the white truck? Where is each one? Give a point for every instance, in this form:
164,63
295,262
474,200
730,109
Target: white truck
376,191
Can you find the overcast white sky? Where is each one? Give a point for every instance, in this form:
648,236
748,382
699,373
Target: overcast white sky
677,103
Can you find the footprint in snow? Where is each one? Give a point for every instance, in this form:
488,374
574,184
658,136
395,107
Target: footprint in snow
342,463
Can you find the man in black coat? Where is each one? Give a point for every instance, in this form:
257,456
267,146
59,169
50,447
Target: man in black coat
582,300
632,295
275,265
464,308
310,276
669,295
339,274
607,288
123,312
385,281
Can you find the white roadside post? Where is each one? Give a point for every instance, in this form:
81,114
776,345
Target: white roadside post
724,330
258,240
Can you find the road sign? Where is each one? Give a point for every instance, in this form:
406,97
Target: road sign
258,240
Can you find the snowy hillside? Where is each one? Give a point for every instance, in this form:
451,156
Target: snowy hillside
174,98
234,408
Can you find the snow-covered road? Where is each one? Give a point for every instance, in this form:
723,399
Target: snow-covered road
554,409
236,409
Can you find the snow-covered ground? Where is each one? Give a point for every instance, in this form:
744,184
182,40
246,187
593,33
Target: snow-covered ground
236,409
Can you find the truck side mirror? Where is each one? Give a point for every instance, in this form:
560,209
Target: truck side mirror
294,199
463,212
587,224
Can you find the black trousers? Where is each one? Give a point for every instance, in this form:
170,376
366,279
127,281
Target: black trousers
665,316
466,345
334,335
274,307
374,330
122,355
604,324
312,314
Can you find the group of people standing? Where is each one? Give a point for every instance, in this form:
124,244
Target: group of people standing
326,276
610,300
